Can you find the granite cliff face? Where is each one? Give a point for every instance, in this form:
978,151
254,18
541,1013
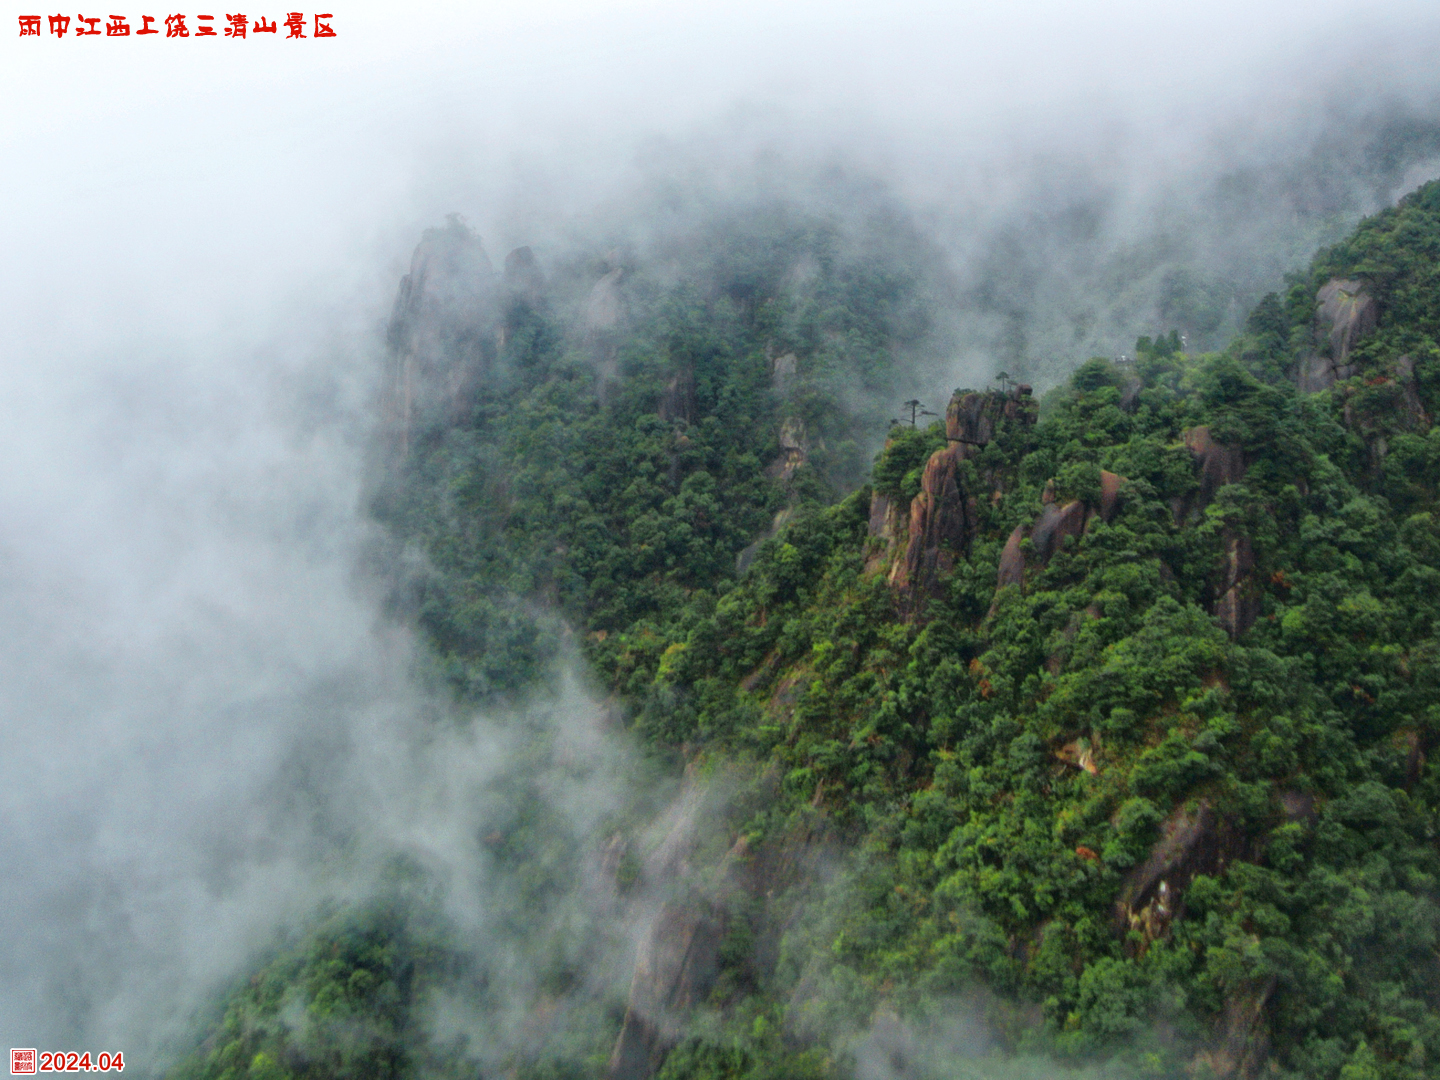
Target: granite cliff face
1345,312
1236,601
442,329
917,546
678,954
1053,527
685,910
920,544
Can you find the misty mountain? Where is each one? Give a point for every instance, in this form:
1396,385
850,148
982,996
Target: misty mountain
1090,730
649,627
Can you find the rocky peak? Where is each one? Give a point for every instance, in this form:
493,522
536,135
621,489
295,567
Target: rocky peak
1344,313
441,327
970,417
944,517
448,291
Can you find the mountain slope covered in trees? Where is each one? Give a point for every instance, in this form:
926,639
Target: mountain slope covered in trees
1097,727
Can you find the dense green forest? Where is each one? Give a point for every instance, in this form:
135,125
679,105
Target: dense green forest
1084,733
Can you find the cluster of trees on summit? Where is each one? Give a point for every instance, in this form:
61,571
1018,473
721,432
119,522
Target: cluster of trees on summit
1124,832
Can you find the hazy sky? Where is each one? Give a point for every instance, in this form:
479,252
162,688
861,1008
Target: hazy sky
189,180
199,241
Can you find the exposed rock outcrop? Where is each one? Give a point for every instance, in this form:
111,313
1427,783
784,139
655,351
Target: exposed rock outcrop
676,967
1216,464
1242,1041
1012,560
1110,484
679,956
942,520
603,306
1055,523
1388,403
1236,598
1410,390
1080,754
971,418
888,522
1344,313
1193,840
441,332
678,401
600,322
794,449
1349,312
782,373
747,554
1418,746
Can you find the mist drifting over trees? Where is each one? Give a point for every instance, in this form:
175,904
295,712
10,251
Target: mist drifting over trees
384,703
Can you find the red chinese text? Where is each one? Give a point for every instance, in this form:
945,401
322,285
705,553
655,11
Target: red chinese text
236,26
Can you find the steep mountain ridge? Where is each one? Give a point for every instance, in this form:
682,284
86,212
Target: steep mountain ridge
1104,722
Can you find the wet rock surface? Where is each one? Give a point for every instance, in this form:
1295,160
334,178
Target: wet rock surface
1242,1041
1345,313
1056,523
942,520
1216,464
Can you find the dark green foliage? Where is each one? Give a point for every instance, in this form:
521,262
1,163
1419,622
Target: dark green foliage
1165,345
339,1004
898,468
613,504
994,775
